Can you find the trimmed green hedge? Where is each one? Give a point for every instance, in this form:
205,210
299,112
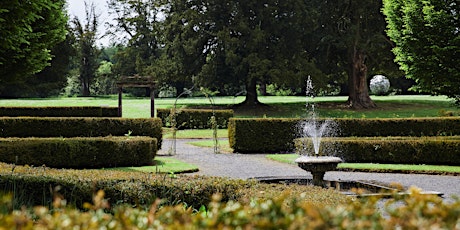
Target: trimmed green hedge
34,186
195,118
276,135
391,150
54,111
80,127
79,152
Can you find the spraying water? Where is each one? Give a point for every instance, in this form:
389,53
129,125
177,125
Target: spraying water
315,129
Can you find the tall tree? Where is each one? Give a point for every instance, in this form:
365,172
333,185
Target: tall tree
243,42
427,38
138,22
29,30
348,42
86,36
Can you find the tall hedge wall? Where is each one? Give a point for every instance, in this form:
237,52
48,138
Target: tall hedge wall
276,135
79,152
55,111
80,127
196,118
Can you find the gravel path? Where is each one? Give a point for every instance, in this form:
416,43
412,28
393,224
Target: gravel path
246,166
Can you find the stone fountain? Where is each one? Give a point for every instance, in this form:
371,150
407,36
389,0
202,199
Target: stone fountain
315,162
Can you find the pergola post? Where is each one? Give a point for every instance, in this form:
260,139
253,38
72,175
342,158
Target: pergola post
152,101
136,81
120,106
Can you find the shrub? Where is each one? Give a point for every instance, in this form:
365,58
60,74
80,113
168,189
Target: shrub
392,150
80,127
195,118
277,135
79,152
74,111
379,85
34,186
413,211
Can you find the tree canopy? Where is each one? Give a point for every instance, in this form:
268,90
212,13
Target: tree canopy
226,43
29,30
348,43
427,38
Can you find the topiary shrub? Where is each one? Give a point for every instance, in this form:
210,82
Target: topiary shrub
379,85
196,118
79,152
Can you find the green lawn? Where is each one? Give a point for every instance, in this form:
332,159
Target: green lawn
404,168
163,165
280,106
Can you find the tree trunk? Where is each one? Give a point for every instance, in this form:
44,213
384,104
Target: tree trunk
358,97
251,93
85,87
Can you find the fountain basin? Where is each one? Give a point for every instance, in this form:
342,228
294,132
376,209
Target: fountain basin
349,188
318,166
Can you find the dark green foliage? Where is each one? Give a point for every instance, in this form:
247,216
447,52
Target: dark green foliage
80,127
74,111
79,152
261,135
392,150
35,185
427,43
277,135
195,118
29,30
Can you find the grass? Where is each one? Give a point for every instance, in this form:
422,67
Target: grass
280,106
369,167
163,165
224,147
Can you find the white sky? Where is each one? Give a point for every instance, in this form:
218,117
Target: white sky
77,8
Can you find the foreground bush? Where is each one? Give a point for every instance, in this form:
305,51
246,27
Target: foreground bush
79,152
414,211
38,185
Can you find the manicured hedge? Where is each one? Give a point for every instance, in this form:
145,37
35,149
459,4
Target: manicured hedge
54,111
80,127
195,118
391,150
38,186
79,152
277,135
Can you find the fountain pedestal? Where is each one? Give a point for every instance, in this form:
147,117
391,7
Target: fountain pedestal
318,166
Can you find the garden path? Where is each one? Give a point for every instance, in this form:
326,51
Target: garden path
245,166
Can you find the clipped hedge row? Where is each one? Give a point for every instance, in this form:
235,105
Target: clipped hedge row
64,111
34,186
276,135
80,127
391,150
79,152
196,118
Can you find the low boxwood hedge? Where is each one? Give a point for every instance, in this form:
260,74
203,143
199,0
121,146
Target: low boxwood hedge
247,135
38,185
392,150
79,152
80,127
61,111
196,118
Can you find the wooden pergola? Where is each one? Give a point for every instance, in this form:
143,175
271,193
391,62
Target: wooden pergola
136,81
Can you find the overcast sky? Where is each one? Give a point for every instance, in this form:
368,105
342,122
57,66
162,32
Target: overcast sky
77,8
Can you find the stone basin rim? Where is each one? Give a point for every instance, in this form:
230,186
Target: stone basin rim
317,159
